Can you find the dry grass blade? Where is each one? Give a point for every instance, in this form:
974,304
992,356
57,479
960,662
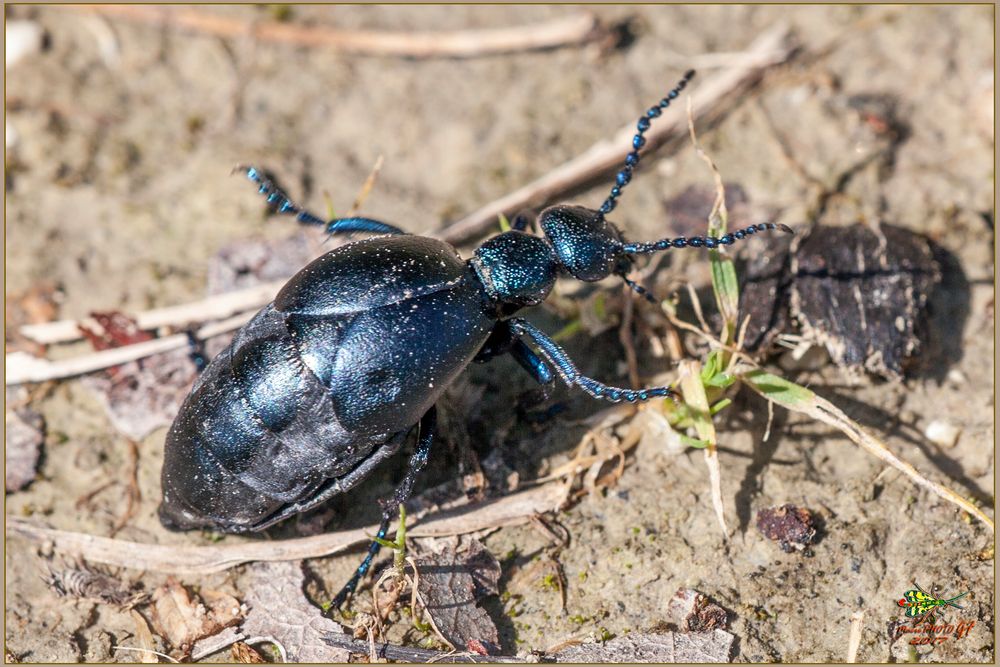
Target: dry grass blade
854,641
145,638
798,399
210,308
517,508
697,401
366,187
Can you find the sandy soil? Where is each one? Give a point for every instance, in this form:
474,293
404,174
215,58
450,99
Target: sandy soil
119,194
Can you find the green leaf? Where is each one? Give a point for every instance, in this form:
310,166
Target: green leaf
712,365
504,223
720,380
726,287
693,442
778,389
388,544
721,405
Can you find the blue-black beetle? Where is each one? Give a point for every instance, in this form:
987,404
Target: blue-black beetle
328,380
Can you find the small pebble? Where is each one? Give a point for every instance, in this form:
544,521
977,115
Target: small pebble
956,377
942,433
805,358
23,38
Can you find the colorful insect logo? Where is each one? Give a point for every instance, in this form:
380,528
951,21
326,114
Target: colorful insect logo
918,603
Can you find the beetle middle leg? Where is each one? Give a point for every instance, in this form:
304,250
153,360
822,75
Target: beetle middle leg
568,371
282,204
427,429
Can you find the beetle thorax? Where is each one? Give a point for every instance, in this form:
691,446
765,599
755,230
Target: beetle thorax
517,269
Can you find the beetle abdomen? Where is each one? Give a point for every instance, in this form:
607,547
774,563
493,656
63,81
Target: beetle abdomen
257,432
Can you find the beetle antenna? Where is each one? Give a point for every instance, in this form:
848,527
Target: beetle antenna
639,289
632,159
703,241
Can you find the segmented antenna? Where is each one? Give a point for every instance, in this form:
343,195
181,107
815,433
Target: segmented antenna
638,141
703,241
639,289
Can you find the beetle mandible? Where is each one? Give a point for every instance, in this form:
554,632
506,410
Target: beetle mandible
327,381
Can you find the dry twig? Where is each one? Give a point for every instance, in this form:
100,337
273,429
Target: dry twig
517,508
574,29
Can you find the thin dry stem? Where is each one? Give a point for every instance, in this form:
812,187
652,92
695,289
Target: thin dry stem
22,367
366,187
132,493
515,509
575,29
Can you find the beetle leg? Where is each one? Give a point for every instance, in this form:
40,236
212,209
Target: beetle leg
571,375
356,224
428,429
282,204
523,220
543,374
500,341
336,486
196,351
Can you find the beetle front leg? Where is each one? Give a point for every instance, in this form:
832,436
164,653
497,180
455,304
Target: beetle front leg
284,205
428,429
571,375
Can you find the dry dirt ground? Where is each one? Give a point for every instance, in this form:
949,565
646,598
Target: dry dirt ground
119,194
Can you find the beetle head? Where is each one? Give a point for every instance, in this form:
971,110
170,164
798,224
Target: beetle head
585,243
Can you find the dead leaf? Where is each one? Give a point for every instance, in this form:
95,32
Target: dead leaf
667,647
145,638
182,620
244,653
115,329
691,611
35,305
453,578
23,444
279,610
792,527
145,395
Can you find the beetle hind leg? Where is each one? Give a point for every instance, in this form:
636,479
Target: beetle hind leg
428,429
